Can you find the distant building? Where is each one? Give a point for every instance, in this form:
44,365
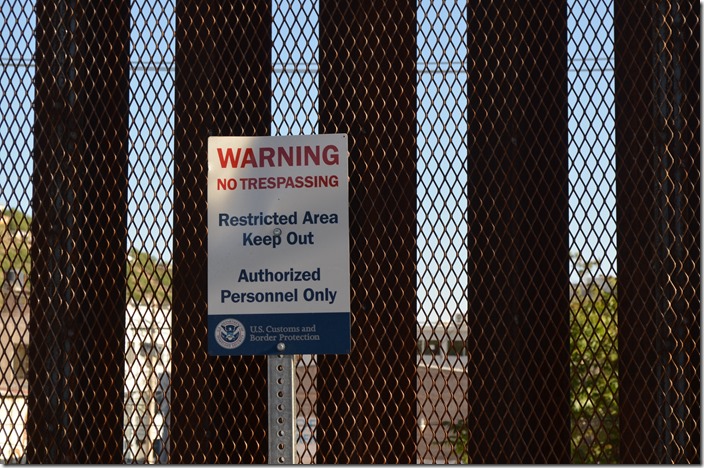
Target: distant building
443,339
147,378
14,363
147,383
147,375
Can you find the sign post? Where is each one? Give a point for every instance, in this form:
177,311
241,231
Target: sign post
278,258
282,434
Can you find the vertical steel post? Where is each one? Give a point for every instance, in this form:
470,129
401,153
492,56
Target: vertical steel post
518,318
368,91
223,87
657,70
79,231
635,226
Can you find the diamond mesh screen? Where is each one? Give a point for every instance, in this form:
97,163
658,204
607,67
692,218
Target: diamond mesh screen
524,228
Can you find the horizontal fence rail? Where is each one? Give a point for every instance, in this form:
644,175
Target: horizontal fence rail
524,229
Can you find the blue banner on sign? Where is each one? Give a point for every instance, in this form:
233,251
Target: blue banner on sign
263,334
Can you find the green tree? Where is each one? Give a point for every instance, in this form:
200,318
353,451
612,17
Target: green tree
14,241
148,279
458,437
593,371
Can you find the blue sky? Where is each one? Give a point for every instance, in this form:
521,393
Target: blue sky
442,124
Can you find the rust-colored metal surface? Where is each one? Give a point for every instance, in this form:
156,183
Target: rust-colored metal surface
518,334
525,228
78,234
380,120
659,309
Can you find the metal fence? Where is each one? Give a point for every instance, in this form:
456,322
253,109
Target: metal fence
524,228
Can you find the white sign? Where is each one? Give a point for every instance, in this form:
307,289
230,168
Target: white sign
278,245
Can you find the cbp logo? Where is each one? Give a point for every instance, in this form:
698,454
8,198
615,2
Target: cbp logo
230,333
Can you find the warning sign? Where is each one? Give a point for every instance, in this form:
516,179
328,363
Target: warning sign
278,245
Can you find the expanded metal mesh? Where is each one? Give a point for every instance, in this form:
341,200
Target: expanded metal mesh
524,228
